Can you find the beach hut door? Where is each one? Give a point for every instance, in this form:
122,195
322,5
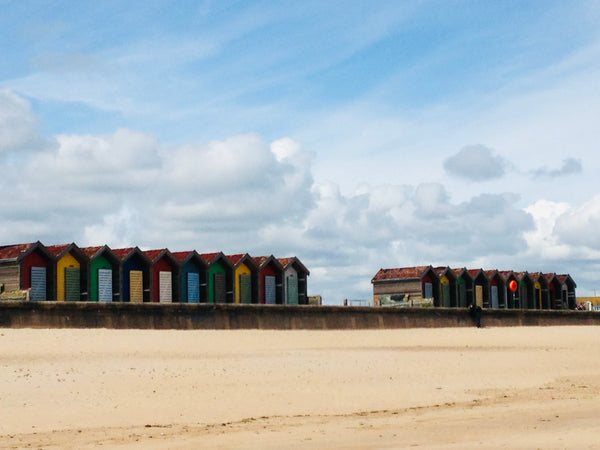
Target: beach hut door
165,288
494,296
292,290
104,285
193,287
38,283
220,288
245,288
136,286
446,294
270,296
479,295
71,284
428,290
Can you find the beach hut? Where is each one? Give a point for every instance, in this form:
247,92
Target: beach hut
28,267
104,284
480,287
497,297
246,278
71,272
295,277
165,276
512,297
464,287
568,291
526,291
194,276
135,275
448,287
554,291
541,297
270,280
220,277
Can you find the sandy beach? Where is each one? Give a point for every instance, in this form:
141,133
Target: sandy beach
520,387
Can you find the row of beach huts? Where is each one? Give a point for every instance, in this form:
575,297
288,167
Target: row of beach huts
101,274
452,287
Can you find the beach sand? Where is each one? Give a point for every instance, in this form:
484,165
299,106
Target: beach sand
518,387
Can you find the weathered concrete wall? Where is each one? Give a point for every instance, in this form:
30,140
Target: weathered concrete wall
203,316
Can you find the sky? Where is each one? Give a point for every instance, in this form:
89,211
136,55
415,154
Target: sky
353,135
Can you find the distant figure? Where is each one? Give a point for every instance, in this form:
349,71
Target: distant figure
475,312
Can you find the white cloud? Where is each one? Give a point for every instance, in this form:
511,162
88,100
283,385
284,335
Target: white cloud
580,226
570,166
243,194
543,243
19,127
475,162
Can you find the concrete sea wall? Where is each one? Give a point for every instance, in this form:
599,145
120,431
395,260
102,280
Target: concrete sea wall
231,317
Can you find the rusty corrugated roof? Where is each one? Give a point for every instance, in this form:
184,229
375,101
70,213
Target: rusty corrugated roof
260,260
401,273
57,250
286,261
210,257
235,259
181,256
474,272
91,251
154,254
549,276
14,251
123,252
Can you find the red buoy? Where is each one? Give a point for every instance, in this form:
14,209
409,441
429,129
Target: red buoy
512,285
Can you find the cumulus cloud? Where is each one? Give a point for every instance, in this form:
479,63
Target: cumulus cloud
19,127
243,194
570,166
475,163
581,226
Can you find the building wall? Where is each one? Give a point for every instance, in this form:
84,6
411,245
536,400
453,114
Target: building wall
411,287
182,316
10,274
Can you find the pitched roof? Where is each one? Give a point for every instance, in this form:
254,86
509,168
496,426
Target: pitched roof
235,259
57,250
285,262
460,271
506,274
564,277
260,260
154,254
549,276
402,273
263,261
210,257
123,252
15,251
474,272
182,256
92,251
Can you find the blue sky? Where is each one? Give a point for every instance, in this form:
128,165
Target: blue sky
354,135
